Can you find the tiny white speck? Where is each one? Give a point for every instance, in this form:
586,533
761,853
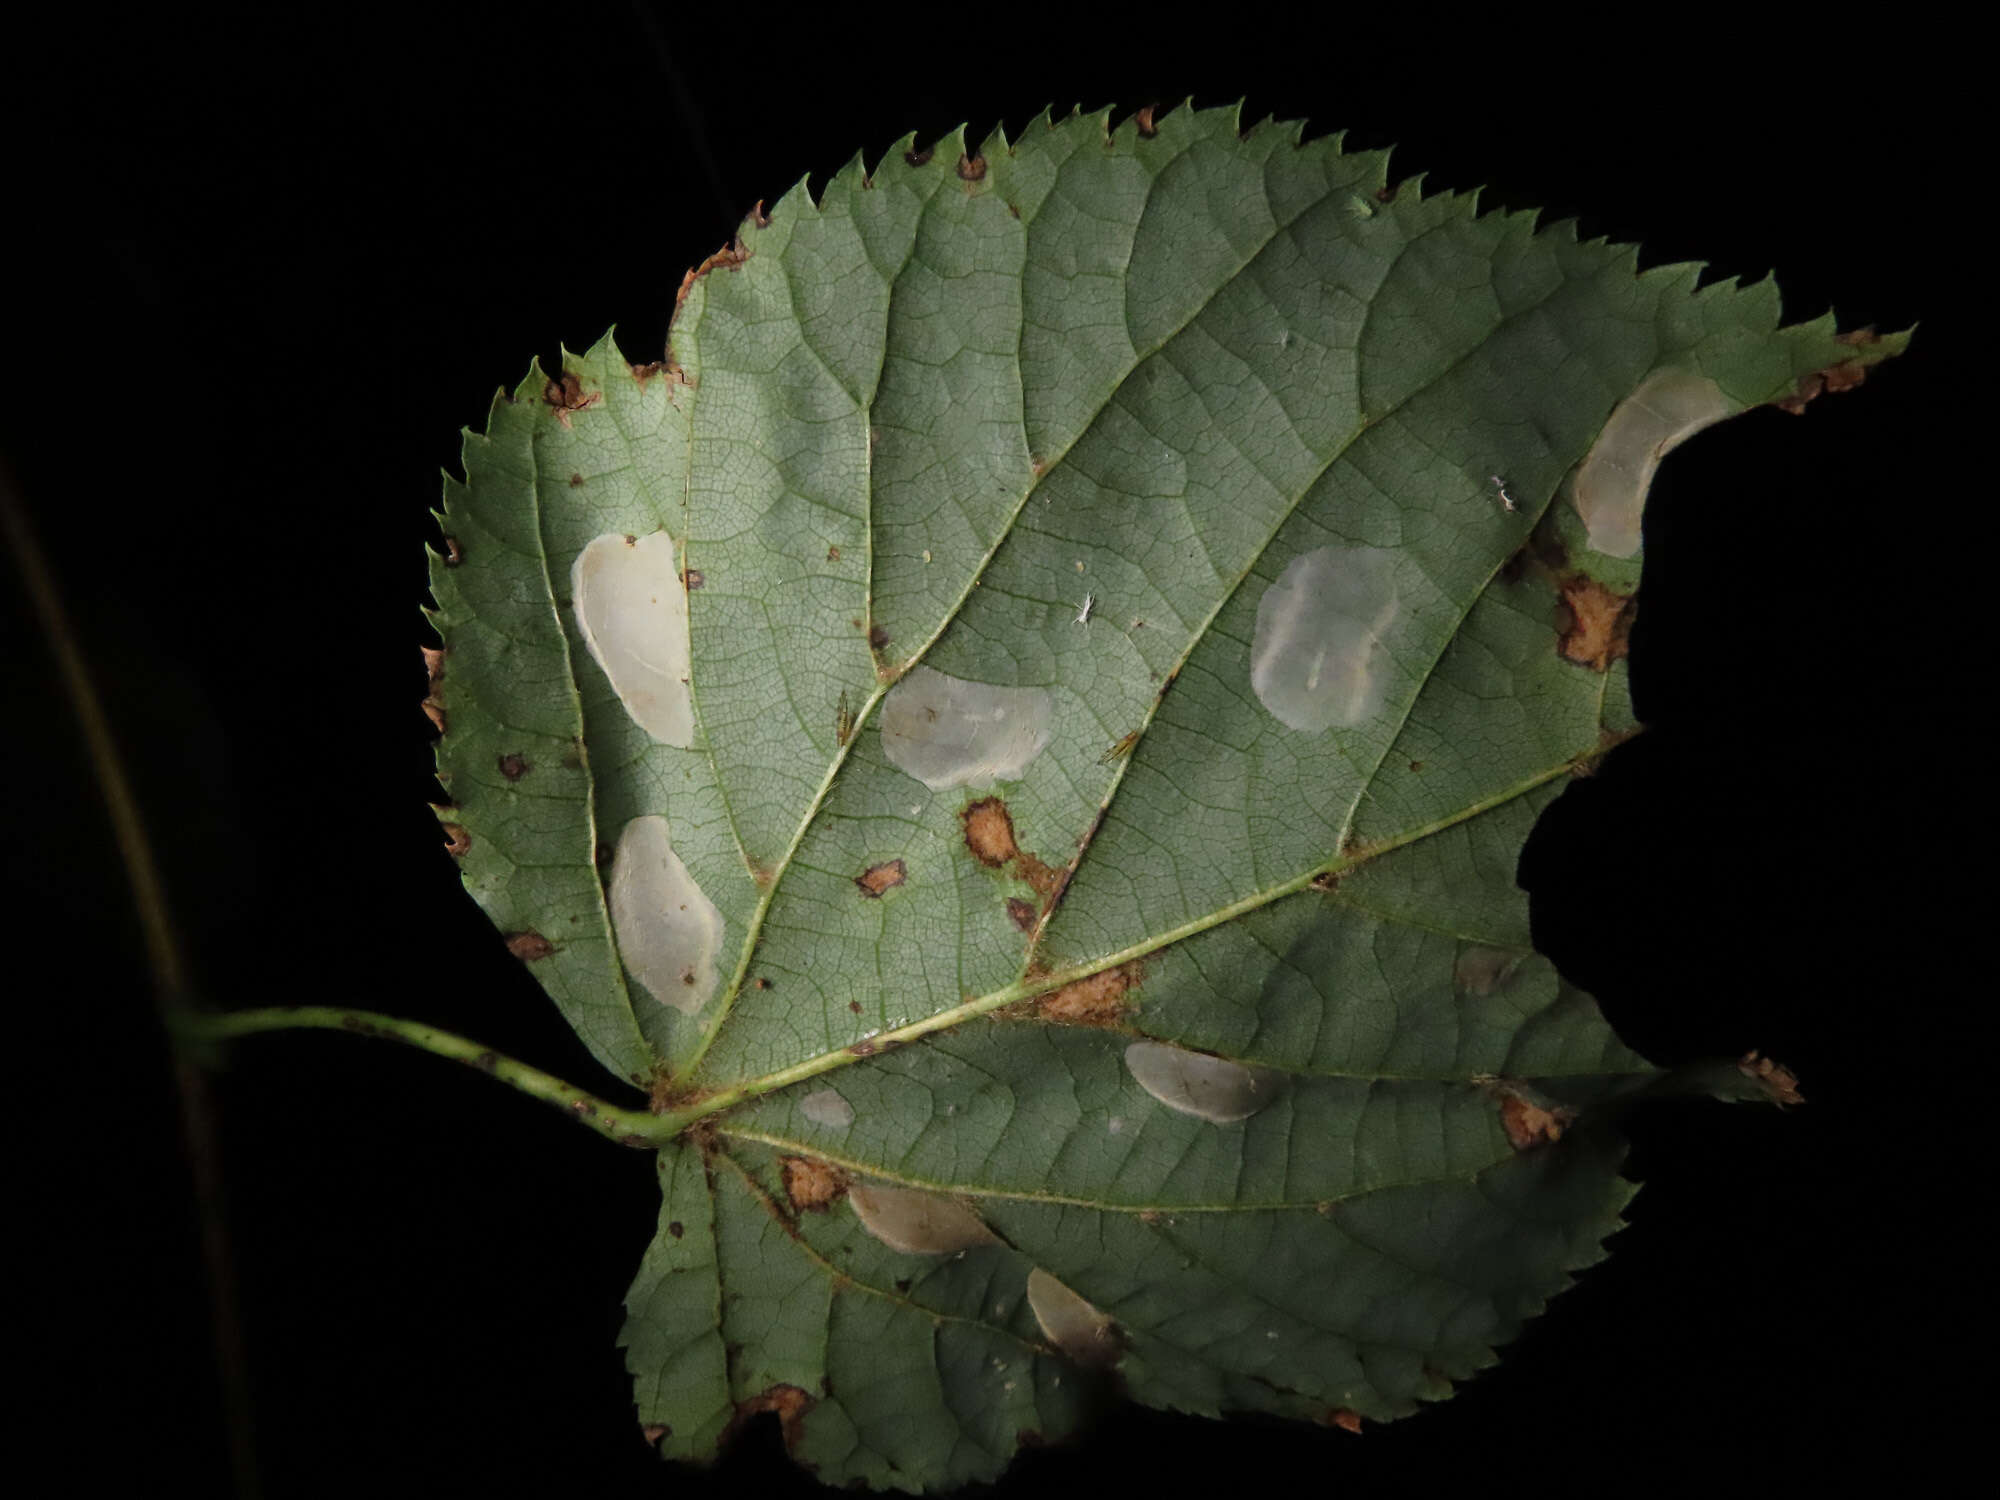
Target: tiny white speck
1116,1125
927,554
1008,1386
1083,613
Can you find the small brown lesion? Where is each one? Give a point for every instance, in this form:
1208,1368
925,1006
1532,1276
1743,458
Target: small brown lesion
1835,378
1022,913
693,578
514,767
877,879
971,168
917,158
1143,118
728,258
989,832
1529,1121
1595,622
453,553
1345,1418
457,842
567,395
787,1402
1099,1000
529,946
813,1186
652,1432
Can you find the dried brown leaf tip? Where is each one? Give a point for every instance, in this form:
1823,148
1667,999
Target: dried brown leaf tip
567,395
1596,623
653,1432
456,840
1143,118
1346,1419
1780,1083
1096,1001
529,946
972,168
812,1185
883,877
453,555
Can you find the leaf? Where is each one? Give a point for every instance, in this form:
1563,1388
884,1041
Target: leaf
1019,734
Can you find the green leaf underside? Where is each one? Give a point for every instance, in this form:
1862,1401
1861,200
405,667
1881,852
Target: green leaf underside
945,403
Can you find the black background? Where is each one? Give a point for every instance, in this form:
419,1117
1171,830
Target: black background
277,264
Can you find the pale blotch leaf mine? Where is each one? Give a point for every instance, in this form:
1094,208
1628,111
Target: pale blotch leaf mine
917,1223
1611,483
1209,1088
826,1108
1077,1327
632,608
1480,970
948,732
668,932
1317,658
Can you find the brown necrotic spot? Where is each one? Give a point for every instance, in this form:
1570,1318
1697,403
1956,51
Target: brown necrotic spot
456,840
1021,913
1596,623
989,832
453,554
513,767
1528,1118
879,878
972,168
693,578
812,1185
917,158
1143,118
1096,1001
529,946
878,637
787,1402
675,1229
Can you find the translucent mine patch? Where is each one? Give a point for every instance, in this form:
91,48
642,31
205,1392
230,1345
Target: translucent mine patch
826,1107
1078,1328
1612,481
917,1223
632,609
668,932
1481,970
1209,1088
948,732
1317,659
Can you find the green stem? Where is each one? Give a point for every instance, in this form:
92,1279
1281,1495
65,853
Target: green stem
612,1121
